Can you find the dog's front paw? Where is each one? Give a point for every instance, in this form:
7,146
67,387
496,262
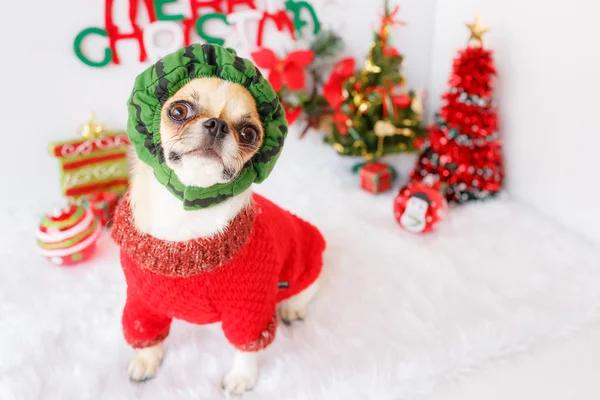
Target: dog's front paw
290,312
238,382
144,365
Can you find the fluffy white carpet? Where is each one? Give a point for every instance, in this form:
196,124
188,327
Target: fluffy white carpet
397,314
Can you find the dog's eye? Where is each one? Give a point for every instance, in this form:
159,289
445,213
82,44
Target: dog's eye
179,112
248,135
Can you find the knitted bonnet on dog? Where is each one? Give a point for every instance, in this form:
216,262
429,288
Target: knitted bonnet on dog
155,85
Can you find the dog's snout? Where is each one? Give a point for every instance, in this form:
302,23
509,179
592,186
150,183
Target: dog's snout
216,127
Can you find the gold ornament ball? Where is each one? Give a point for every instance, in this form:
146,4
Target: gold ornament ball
370,67
338,147
364,106
384,128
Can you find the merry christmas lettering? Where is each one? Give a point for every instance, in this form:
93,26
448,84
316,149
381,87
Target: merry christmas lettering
180,27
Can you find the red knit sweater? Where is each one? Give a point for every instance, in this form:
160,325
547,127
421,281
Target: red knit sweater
265,256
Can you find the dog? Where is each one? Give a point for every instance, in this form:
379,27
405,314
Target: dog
241,261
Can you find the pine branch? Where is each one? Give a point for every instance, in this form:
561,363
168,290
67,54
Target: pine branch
327,44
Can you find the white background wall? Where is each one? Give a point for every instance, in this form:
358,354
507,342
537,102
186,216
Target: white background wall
547,55
548,60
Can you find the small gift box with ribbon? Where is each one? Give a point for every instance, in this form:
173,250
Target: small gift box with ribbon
376,177
95,162
102,204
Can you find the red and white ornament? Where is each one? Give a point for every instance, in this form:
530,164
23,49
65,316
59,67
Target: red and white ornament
419,207
68,236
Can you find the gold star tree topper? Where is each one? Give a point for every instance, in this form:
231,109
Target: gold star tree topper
477,30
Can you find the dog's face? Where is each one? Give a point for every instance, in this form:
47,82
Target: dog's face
209,130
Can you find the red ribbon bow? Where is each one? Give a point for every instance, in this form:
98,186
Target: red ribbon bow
390,101
332,89
388,20
289,70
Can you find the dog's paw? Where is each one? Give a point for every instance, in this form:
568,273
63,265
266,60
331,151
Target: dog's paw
238,382
290,313
144,365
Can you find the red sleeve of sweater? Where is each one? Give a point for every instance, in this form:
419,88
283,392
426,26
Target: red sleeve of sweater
142,326
249,330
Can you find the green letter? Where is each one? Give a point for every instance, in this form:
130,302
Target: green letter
200,27
158,6
77,47
296,8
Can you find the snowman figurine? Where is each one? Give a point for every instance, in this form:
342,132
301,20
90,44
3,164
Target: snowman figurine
419,207
414,217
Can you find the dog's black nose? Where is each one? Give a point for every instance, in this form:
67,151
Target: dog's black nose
216,127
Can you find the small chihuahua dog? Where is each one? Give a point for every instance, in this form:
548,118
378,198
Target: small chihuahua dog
240,262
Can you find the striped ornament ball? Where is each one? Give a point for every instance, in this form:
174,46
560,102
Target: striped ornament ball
68,236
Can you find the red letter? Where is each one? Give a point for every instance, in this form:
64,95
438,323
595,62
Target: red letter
113,31
189,24
281,19
232,3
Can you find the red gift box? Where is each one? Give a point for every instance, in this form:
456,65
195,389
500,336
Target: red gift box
376,177
102,204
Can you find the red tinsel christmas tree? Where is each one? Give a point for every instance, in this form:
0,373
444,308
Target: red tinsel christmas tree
463,150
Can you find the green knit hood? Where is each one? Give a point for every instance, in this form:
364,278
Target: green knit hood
155,85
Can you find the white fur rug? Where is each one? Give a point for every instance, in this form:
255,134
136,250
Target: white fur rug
397,314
